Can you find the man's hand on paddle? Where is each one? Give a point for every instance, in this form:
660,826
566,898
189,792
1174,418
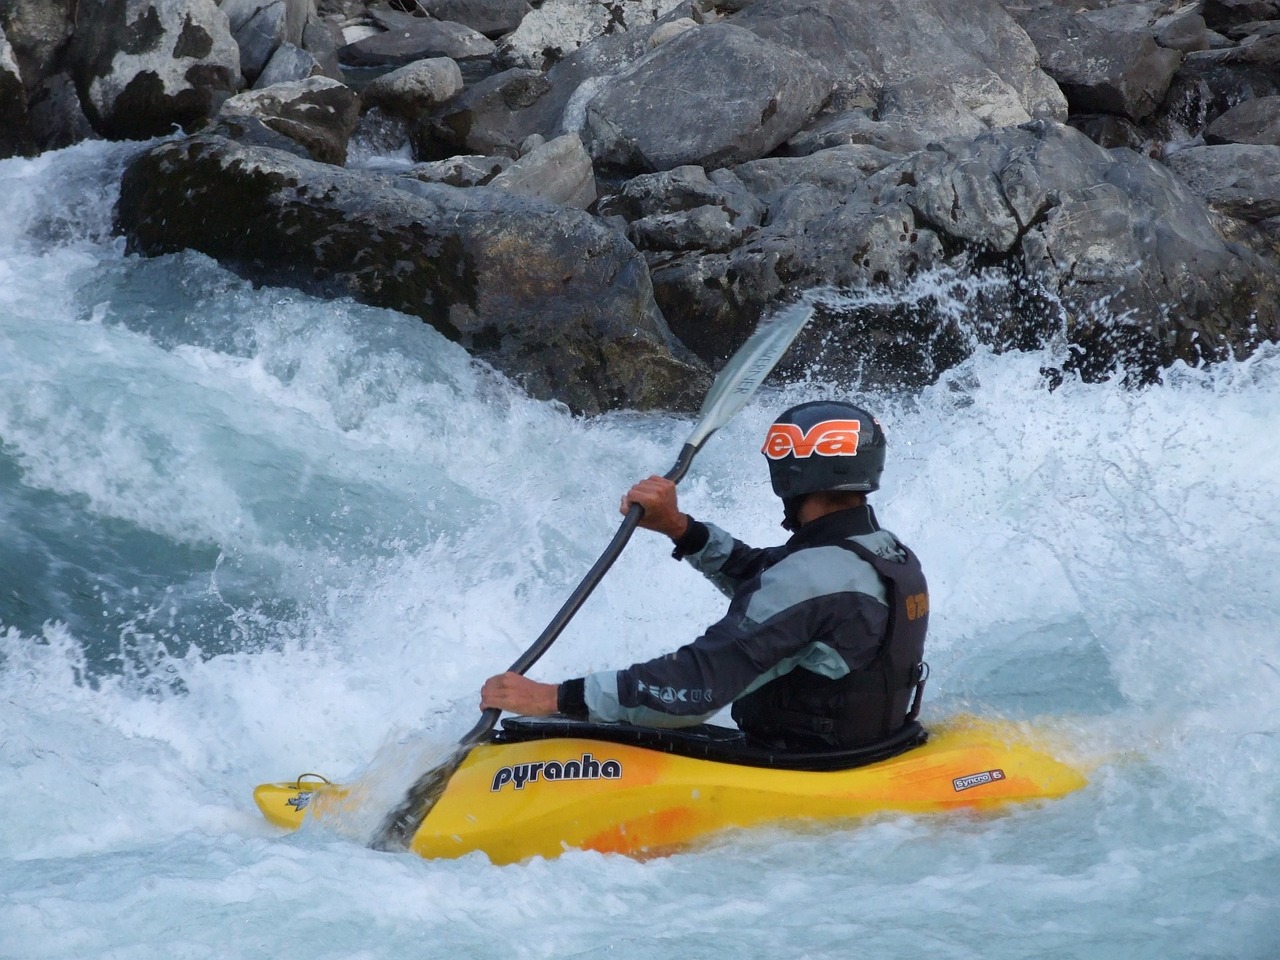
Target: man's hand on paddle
517,694
661,512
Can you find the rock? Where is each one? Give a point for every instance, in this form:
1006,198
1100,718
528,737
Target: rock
544,293
1254,121
971,48
1108,130
322,38
1121,251
557,28
669,30
462,171
319,114
416,88
142,66
261,26
858,127
1240,179
1099,70
1207,86
38,32
684,189
493,18
1182,30
839,169
1092,233
1223,14
487,117
288,65
933,110
740,96
421,40
558,171
57,120
15,126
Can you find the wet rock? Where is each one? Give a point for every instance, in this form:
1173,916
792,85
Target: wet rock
143,67
1209,84
318,113
545,293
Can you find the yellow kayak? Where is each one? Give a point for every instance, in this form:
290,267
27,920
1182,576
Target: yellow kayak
537,792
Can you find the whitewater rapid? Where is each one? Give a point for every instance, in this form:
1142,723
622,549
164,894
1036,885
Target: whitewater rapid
245,533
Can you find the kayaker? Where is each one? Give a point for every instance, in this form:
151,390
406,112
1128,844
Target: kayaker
823,641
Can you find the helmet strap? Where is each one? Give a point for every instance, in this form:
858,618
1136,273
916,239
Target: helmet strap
791,512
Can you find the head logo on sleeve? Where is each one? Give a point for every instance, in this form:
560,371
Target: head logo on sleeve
830,438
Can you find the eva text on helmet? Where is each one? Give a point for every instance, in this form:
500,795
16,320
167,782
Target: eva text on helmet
829,438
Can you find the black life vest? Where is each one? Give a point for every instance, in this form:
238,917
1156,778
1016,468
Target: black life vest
804,711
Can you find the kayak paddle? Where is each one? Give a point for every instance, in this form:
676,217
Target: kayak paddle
735,384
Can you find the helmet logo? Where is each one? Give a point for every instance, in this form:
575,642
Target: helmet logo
830,438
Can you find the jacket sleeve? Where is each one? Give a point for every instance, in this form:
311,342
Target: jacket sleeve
728,562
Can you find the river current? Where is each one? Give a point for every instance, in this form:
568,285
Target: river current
245,533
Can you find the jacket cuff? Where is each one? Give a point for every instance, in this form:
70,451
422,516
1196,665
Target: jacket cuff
692,541
571,698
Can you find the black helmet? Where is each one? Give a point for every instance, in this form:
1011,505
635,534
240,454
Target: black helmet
824,445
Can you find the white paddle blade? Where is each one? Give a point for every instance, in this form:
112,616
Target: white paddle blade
747,368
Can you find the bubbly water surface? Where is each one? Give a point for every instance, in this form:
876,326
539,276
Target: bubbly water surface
245,533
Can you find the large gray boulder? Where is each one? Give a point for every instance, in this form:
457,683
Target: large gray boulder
969,51
1101,66
733,96
142,66
545,293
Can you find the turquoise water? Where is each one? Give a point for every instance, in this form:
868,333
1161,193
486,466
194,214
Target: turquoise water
244,533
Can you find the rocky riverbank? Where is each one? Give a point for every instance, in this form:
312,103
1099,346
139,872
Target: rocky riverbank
602,199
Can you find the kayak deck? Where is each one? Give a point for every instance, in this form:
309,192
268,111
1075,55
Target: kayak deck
517,798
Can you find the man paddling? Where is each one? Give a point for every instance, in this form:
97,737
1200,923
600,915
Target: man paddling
822,644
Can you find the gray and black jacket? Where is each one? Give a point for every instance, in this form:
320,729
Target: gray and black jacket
820,649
